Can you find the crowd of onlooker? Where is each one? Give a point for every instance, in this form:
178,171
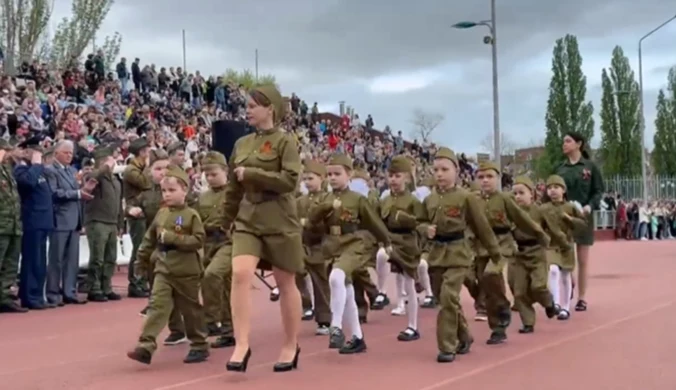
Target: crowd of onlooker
639,220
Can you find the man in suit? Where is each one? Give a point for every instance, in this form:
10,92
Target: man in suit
37,216
64,241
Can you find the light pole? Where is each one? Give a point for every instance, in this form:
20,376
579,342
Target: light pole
644,173
491,40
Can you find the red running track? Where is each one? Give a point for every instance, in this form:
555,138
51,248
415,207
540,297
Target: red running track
624,342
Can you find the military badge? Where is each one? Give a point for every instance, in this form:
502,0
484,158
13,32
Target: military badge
178,225
586,174
500,217
453,212
266,148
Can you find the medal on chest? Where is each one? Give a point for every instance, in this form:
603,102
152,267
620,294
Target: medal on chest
178,224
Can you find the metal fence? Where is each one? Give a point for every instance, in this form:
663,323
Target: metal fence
631,187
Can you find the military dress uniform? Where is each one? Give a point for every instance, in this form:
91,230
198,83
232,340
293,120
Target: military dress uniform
135,181
10,234
176,236
503,214
218,259
452,211
344,247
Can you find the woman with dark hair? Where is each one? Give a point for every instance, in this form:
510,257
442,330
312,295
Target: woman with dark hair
584,185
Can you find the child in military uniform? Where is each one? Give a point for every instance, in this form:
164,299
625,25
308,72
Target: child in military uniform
402,211
177,234
315,263
502,214
529,268
345,213
429,302
561,257
449,211
217,251
472,281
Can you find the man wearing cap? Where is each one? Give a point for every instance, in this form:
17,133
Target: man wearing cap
104,220
10,232
134,182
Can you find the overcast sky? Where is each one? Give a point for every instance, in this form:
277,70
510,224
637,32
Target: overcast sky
389,57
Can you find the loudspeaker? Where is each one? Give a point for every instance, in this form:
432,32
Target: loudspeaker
224,134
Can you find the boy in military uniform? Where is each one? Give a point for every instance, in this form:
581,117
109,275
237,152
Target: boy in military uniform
449,211
217,251
315,263
177,235
502,214
345,213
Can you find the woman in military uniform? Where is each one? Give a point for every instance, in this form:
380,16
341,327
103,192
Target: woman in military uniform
260,210
584,185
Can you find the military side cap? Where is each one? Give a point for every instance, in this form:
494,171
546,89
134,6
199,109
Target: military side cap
489,166
5,145
102,152
137,145
556,180
214,158
341,159
361,173
315,167
400,164
525,181
157,155
174,147
446,153
175,171
275,98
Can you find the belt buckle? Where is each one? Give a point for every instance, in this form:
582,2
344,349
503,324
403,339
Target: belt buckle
335,230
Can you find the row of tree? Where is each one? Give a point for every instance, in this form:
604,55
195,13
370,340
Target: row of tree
620,119
25,32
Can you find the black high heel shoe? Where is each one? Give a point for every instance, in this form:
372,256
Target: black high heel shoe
288,366
239,366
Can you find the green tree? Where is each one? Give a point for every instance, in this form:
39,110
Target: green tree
73,35
620,148
567,107
22,24
664,152
247,78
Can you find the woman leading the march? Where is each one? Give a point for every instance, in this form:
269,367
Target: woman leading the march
260,201
584,185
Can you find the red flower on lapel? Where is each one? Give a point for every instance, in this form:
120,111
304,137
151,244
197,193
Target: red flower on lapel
586,174
266,147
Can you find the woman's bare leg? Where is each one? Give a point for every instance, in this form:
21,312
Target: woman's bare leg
243,269
291,308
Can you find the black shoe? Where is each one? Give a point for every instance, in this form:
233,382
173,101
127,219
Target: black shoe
408,334
223,342
497,338
113,296
552,311
445,357
287,366
564,315
97,298
526,329
336,338
140,355
214,330
239,366
12,307
274,295
196,356
380,302
464,347
308,315
353,346
429,303
175,339
504,318
137,293
581,305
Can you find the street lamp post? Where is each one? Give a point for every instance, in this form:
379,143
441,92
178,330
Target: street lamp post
491,40
644,173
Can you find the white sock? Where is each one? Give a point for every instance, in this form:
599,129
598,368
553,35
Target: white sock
310,289
401,291
352,313
382,269
338,297
566,288
424,277
554,283
412,304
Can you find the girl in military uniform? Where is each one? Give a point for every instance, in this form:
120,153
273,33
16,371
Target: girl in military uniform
502,214
345,213
449,211
315,265
561,257
176,235
402,212
528,271
584,184
260,209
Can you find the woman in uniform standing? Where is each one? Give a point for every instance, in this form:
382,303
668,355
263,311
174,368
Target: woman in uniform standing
260,201
584,185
